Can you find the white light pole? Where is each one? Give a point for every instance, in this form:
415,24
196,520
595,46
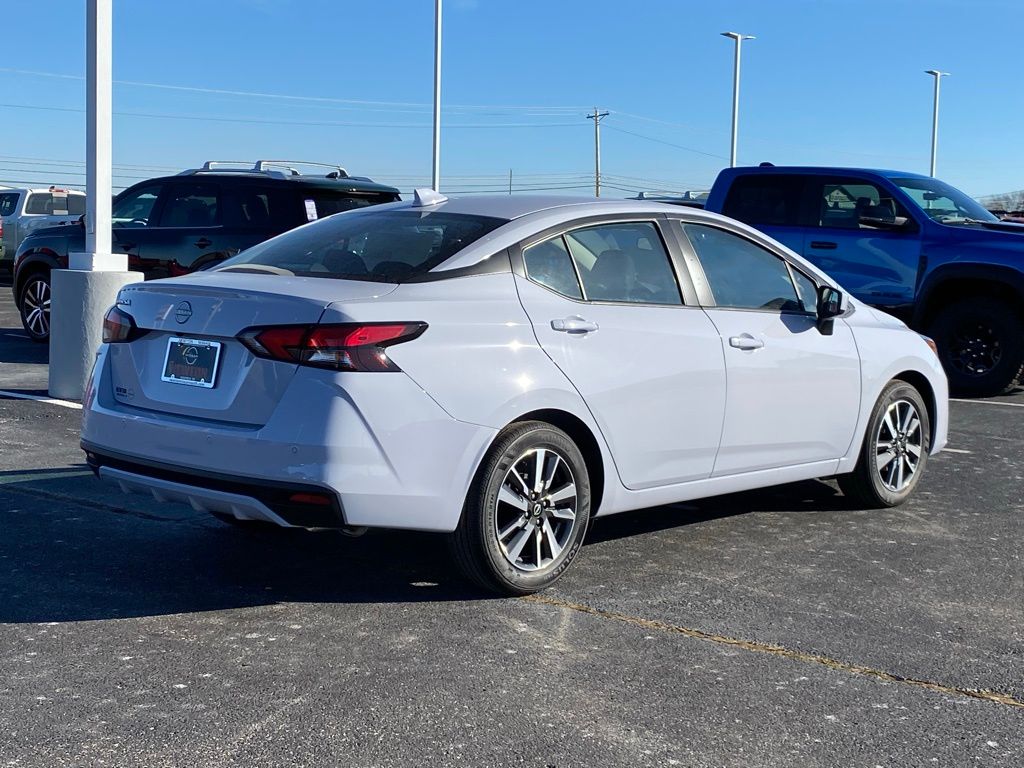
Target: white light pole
82,294
739,38
935,115
436,175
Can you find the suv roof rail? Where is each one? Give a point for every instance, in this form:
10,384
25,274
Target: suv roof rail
281,169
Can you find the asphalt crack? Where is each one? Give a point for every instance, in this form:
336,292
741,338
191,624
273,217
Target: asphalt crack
994,697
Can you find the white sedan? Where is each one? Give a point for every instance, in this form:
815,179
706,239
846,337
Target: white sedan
504,369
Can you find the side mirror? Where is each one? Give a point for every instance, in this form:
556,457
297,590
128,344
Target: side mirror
830,306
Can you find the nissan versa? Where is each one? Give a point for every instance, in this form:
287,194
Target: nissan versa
505,369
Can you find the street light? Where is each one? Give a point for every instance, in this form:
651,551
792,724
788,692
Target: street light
435,178
935,114
739,38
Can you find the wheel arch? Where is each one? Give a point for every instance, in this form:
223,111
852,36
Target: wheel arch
34,264
920,382
958,281
585,440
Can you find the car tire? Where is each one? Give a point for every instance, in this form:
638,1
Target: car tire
894,451
34,306
519,533
981,345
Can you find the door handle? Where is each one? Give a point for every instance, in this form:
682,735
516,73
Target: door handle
823,245
746,341
574,324
203,242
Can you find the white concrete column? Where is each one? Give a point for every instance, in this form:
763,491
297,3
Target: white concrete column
81,295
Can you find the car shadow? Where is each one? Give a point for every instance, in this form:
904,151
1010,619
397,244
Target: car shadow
72,549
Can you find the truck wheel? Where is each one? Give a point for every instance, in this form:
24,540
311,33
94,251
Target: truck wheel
35,307
526,513
895,450
981,345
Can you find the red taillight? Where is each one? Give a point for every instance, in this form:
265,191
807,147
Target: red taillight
118,327
340,347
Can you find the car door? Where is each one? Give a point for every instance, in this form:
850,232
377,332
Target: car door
793,391
133,215
606,307
188,229
861,235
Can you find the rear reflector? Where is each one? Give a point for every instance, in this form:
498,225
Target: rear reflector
340,347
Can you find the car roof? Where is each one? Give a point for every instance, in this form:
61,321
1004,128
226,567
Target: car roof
526,215
810,170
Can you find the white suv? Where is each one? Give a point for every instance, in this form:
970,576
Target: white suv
504,369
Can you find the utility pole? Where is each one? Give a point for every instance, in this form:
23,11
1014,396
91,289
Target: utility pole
935,116
436,175
510,181
596,117
739,38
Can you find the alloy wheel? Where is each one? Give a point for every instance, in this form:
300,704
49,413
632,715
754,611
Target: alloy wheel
535,510
975,349
35,307
898,445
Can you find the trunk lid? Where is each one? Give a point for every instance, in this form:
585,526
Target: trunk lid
216,307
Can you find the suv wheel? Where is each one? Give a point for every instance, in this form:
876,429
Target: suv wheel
526,513
35,306
895,450
981,345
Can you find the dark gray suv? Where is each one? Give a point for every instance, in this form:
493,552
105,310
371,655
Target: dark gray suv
178,224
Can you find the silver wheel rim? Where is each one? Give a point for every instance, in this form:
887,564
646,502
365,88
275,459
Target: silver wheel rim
899,444
36,307
535,512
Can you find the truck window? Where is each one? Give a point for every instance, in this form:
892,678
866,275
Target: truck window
764,198
39,203
8,203
850,203
76,205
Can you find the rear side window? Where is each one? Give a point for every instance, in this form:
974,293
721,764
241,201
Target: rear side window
320,203
549,264
387,246
191,205
742,274
624,263
8,203
765,199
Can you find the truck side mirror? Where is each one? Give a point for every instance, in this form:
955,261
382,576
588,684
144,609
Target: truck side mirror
830,306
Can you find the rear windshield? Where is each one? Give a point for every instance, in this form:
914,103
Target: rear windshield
49,204
381,246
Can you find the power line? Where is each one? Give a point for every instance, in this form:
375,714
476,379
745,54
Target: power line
667,143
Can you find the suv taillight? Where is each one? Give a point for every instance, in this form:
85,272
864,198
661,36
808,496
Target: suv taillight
338,347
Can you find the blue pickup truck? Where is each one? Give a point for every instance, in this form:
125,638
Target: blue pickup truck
907,244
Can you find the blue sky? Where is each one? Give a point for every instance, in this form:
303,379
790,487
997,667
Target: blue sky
825,82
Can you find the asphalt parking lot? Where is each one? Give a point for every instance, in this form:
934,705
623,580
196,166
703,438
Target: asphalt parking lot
776,628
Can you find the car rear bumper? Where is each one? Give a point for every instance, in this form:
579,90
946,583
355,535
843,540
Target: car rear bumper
377,442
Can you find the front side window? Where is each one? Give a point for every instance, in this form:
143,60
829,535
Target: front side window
624,262
134,209
741,274
389,246
765,199
191,205
856,204
943,203
549,264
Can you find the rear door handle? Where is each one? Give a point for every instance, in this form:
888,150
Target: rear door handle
746,341
823,245
574,324
203,242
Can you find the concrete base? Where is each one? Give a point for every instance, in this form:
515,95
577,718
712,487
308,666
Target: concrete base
79,300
